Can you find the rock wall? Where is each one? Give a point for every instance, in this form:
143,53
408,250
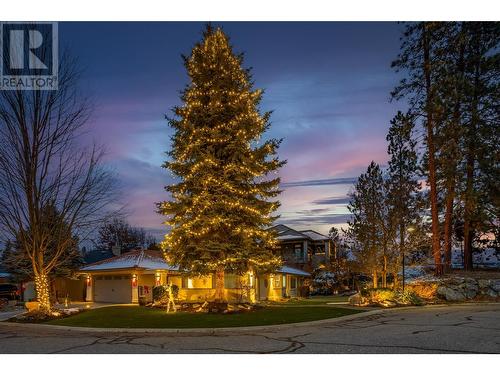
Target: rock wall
456,289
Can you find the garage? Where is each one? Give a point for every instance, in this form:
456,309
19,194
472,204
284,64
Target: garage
113,288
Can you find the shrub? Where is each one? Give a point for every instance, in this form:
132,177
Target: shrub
379,294
408,297
160,292
425,291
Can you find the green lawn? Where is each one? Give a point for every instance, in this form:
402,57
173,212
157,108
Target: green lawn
145,317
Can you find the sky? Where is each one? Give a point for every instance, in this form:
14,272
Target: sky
328,85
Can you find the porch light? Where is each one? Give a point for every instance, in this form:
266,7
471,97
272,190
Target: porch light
250,278
157,279
89,280
134,280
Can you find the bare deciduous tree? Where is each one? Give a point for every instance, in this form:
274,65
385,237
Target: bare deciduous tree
41,163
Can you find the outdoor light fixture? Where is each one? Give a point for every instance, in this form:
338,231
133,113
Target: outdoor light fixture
89,280
157,279
134,280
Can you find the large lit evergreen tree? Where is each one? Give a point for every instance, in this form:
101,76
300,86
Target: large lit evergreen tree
223,203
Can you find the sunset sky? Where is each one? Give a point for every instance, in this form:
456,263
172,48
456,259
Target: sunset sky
327,83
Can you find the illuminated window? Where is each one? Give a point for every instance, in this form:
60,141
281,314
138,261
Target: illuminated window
276,281
199,282
231,281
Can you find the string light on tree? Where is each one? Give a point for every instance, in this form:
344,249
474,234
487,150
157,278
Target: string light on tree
227,190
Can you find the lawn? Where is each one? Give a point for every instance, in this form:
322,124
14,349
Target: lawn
314,300
145,317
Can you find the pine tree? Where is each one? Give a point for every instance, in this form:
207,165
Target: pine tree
223,203
481,143
365,230
420,57
404,198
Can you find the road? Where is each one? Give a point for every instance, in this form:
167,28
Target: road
444,329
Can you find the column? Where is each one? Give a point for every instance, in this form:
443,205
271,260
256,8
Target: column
89,295
135,290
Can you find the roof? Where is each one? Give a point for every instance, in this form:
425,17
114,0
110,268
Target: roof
4,274
153,260
293,271
286,233
142,259
315,236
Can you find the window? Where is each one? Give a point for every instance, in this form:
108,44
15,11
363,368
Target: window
197,282
276,281
299,253
231,281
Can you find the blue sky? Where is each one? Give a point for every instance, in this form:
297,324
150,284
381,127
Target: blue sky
327,83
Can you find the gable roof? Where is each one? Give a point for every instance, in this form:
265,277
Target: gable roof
136,259
286,233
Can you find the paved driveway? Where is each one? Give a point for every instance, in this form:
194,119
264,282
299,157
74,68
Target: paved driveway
447,329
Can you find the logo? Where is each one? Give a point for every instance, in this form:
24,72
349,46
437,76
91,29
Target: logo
28,55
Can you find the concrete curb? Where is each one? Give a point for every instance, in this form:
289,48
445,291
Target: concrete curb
36,326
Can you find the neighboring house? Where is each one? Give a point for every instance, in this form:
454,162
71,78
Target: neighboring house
4,276
305,250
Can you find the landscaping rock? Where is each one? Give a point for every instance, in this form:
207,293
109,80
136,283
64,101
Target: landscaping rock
387,304
495,285
484,283
450,294
357,300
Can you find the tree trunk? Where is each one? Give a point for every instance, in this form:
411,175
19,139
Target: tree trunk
436,248
448,225
375,279
384,273
42,287
402,231
219,285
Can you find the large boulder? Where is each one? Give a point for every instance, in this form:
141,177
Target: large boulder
450,294
357,300
495,285
469,288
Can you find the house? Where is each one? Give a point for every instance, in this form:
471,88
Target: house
4,276
305,250
132,276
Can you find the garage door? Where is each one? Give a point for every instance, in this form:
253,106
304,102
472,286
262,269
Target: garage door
115,289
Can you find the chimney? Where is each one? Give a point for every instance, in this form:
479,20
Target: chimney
116,249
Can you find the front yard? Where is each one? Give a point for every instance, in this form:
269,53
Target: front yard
145,317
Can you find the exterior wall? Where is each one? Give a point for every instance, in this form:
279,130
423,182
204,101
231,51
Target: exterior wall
247,288
146,283
73,289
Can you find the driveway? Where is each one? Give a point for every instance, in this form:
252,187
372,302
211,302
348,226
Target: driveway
443,329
